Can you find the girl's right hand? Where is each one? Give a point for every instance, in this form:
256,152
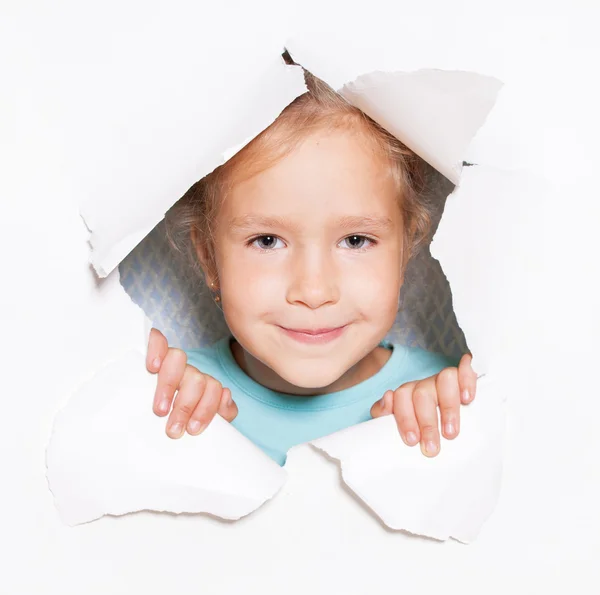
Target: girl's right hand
199,396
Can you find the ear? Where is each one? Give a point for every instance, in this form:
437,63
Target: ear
409,241
407,244
205,258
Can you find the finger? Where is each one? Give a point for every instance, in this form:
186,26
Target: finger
227,408
448,395
169,377
404,412
206,409
157,350
467,379
425,403
191,390
385,405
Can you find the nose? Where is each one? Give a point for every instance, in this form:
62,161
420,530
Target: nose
313,278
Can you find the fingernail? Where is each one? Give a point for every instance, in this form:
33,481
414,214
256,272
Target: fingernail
163,406
156,362
411,438
194,426
383,401
176,430
466,396
430,446
450,428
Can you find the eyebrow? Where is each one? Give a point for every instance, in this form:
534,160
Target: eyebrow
348,222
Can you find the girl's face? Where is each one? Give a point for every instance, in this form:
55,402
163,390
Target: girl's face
314,242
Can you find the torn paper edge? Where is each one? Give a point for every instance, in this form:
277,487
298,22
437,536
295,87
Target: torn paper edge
286,83
136,466
115,258
426,496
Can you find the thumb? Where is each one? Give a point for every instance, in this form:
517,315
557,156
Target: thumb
227,408
385,405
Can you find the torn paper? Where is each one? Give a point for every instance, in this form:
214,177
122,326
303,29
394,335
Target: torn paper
123,464
483,245
109,454
182,155
450,495
434,112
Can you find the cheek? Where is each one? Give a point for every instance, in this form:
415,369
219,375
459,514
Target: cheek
250,284
376,283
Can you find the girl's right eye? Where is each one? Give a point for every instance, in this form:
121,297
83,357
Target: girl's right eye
265,243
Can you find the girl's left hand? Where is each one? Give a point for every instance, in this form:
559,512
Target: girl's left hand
415,404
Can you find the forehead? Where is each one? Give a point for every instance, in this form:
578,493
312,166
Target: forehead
331,172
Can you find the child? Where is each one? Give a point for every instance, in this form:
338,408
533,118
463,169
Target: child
303,237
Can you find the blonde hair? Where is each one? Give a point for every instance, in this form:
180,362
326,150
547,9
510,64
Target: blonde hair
320,107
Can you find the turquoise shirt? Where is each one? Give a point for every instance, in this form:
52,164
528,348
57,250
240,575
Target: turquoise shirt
275,421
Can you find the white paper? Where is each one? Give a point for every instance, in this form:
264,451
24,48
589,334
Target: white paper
483,245
434,112
120,215
109,454
450,495
60,325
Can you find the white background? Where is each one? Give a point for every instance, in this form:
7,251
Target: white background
313,537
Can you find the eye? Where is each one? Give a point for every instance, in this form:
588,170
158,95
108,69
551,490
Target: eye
265,242
356,242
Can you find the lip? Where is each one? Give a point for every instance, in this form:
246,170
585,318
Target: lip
314,336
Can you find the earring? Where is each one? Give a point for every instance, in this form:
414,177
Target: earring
217,297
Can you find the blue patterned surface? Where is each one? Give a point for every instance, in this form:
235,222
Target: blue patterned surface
184,311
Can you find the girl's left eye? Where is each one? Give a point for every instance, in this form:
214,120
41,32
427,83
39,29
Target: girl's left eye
356,242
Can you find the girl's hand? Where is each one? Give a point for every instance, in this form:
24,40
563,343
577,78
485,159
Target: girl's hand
415,404
199,396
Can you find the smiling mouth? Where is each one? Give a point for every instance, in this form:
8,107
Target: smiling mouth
314,336
319,331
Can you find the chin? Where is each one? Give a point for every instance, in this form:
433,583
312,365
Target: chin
309,377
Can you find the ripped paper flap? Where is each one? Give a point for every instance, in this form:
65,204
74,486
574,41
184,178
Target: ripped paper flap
136,189
450,495
434,112
109,454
